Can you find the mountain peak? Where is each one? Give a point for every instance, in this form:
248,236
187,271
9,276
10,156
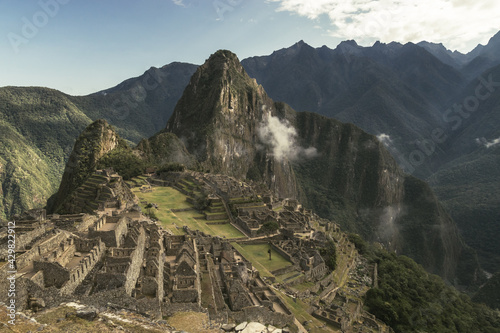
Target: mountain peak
218,119
351,42
94,142
222,56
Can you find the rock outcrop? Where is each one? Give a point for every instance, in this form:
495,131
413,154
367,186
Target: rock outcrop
96,140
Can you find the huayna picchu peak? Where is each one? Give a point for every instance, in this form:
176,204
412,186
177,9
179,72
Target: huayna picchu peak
240,214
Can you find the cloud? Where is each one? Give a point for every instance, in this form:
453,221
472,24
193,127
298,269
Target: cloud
459,24
280,136
179,3
388,229
385,139
488,144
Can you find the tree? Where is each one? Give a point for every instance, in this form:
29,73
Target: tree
269,228
329,254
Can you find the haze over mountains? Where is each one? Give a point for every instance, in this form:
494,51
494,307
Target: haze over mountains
404,94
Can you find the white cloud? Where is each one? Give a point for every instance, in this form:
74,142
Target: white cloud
385,139
459,24
280,136
488,144
179,3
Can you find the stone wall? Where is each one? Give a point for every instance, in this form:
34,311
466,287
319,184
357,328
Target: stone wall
112,238
185,295
169,309
284,270
219,216
283,253
123,265
262,315
38,279
74,222
22,240
40,249
54,274
78,273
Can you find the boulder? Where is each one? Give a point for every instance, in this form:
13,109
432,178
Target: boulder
228,327
87,313
254,327
241,326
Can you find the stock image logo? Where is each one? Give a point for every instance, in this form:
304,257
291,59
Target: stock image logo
31,26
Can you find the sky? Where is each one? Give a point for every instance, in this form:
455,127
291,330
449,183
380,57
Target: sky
84,46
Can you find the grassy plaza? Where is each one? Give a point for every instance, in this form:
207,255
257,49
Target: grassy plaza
168,198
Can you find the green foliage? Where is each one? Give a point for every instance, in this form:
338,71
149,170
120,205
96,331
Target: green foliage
411,300
269,227
329,254
201,202
172,167
489,293
358,242
123,161
38,127
468,188
152,215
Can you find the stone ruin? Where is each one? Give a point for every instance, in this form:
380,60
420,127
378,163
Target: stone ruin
117,255
239,203
103,191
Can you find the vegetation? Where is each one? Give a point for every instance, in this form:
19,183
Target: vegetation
258,255
172,167
38,128
124,161
168,198
411,300
269,228
358,242
329,254
489,293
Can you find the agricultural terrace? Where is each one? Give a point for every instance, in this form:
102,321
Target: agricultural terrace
168,198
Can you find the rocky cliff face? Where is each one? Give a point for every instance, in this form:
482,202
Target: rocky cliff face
231,126
96,140
354,180
220,118
165,148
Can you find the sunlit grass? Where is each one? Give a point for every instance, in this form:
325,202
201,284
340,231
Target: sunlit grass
168,198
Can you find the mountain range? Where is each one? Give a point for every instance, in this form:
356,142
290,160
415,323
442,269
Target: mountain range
402,94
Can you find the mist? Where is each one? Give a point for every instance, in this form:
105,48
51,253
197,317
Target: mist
281,137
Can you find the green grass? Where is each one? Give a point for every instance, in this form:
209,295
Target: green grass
168,198
299,311
303,286
165,198
258,256
283,277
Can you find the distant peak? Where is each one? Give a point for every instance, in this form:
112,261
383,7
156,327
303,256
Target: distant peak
495,40
351,42
300,44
